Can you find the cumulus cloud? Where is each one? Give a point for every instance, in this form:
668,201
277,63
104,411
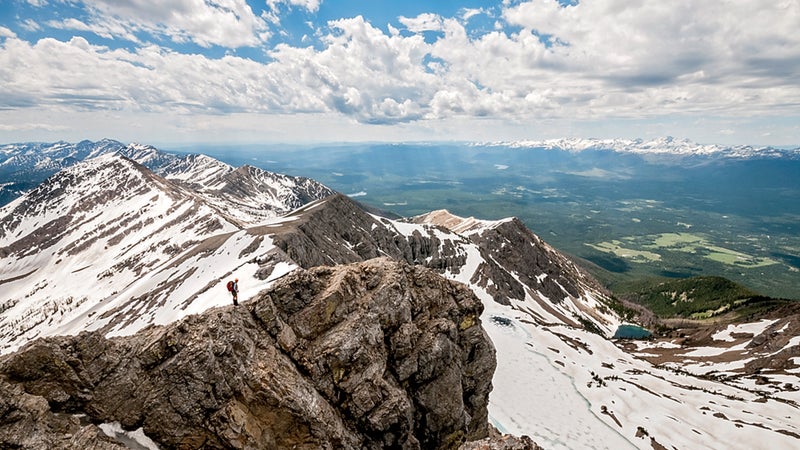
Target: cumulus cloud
361,73
644,44
6,33
590,60
227,23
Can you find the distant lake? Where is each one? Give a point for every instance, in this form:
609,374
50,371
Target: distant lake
631,332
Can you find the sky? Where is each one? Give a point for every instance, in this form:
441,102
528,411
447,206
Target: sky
306,71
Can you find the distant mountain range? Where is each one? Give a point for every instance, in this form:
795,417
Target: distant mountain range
667,146
131,237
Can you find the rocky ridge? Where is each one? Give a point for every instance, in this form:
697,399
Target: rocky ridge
248,194
373,355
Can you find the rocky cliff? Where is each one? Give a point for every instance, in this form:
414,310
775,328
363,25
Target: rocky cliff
378,354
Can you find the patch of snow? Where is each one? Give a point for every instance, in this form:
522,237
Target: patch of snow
755,328
135,440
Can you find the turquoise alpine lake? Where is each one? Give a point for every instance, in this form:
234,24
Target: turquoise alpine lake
631,332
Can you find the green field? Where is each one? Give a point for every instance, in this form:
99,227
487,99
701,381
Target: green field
650,248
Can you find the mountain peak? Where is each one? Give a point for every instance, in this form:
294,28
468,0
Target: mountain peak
454,223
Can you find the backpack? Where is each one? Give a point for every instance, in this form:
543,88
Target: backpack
230,286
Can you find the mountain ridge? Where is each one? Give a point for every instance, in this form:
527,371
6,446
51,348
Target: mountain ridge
417,377
271,194
557,379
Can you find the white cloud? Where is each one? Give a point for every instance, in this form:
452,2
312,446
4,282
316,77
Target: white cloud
108,29
587,62
6,33
643,44
310,5
227,23
361,72
468,13
423,22
30,25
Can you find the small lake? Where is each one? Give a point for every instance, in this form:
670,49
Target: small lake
631,332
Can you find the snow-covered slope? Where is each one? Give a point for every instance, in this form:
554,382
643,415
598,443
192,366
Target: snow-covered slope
108,245
570,388
518,269
662,146
87,233
249,195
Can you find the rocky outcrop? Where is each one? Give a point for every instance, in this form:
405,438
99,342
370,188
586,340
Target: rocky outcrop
339,231
513,248
498,441
373,355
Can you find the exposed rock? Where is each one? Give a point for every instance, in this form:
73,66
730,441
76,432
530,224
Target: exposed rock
498,441
374,355
339,231
27,422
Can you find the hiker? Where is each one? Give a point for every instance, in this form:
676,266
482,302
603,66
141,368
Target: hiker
233,288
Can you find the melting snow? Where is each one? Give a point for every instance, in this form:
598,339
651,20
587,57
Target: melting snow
755,328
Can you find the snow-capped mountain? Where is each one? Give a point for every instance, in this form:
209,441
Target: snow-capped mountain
666,146
90,233
109,245
37,157
248,194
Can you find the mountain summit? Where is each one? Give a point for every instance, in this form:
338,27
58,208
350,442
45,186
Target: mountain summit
248,193
375,355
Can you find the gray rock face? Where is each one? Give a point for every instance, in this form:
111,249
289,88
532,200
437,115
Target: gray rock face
373,355
342,232
497,441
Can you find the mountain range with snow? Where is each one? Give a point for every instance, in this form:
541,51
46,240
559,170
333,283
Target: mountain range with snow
666,146
110,246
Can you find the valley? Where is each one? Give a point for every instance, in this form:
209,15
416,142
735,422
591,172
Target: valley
632,216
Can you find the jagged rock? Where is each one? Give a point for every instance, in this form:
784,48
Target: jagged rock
27,422
373,355
318,237
498,441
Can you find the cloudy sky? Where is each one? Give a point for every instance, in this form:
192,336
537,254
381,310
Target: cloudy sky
191,71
